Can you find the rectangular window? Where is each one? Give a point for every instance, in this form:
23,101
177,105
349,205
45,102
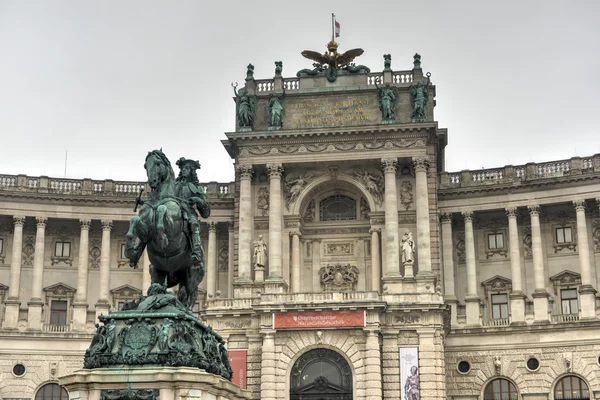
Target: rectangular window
568,300
62,249
58,312
495,241
563,235
499,306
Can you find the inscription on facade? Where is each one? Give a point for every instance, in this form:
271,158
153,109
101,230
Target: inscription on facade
331,112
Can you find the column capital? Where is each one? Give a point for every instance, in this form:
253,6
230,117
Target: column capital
511,212
41,221
295,233
244,171
85,224
421,164
534,209
106,225
389,165
18,220
579,205
446,218
212,226
468,215
275,170
375,230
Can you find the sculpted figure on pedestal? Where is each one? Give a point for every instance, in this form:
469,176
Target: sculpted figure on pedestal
245,107
387,99
275,108
260,252
419,95
408,248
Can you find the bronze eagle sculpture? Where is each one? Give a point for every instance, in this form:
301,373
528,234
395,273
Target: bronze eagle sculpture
332,58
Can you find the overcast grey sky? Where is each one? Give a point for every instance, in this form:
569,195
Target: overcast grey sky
517,81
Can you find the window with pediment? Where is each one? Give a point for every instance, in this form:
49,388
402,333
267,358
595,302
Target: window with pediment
59,298
62,245
563,231
497,290
123,294
566,285
495,239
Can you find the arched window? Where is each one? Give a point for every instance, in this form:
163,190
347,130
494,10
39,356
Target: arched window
572,388
500,389
52,391
338,207
321,374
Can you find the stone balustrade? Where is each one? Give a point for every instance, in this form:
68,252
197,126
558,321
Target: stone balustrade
56,328
520,173
562,318
90,187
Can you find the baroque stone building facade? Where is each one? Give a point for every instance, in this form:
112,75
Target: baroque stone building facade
343,262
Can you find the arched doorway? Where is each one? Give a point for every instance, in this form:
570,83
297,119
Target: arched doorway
321,374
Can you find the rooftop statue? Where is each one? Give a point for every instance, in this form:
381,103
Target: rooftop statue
331,61
387,99
419,95
245,107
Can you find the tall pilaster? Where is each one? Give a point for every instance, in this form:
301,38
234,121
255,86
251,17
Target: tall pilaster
103,305
421,166
245,227
448,259
34,315
587,293
11,316
268,380
517,297
391,268
540,295
375,260
80,304
471,298
296,279
275,229
230,260
373,365
211,273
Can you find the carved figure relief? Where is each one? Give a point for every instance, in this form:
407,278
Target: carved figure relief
339,248
406,194
263,201
309,212
293,185
460,247
373,182
527,242
129,394
364,208
338,277
28,250
223,255
596,234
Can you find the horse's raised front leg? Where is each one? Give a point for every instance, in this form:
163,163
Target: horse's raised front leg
133,250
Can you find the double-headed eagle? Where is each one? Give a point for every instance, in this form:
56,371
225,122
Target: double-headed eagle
332,58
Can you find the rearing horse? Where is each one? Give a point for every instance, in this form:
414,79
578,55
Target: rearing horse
161,228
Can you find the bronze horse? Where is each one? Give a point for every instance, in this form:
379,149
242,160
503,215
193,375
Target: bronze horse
161,227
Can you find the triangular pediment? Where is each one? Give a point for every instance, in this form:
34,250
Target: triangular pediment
566,277
59,289
126,291
497,283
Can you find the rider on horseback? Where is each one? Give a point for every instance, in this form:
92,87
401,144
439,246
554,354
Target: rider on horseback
188,189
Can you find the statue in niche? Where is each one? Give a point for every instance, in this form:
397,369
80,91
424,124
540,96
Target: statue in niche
275,109
245,107
260,252
419,95
263,201
278,68
387,62
408,248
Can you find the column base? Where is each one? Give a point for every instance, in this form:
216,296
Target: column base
11,313
80,316
102,307
276,285
472,309
34,314
540,306
587,297
517,308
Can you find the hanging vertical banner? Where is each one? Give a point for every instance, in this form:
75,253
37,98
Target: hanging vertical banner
410,385
237,359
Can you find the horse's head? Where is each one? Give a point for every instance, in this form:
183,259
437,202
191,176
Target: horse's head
158,168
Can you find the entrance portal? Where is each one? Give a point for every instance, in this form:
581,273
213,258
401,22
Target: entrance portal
321,374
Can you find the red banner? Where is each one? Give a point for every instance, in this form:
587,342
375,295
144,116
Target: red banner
342,319
237,359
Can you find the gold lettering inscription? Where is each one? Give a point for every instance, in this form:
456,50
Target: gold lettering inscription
337,113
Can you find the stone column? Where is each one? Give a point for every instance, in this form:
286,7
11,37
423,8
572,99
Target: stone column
146,279
373,371
34,315
11,317
587,293
211,268
80,304
296,279
540,295
448,259
230,260
245,228
471,298
421,165
268,380
517,297
391,268
103,305
375,260
275,227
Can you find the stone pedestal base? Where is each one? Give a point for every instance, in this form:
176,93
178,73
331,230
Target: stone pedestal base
242,289
170,383
394,284
259,274
34,315
276,286
11,314
102,308
540,305
79,316
587,296
409,269
472,306
517,308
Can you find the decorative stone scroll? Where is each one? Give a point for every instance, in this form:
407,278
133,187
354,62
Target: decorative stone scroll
338,277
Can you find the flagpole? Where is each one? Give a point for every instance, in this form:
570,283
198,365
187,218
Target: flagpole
332,27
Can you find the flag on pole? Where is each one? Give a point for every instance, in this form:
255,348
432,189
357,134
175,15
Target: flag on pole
337,29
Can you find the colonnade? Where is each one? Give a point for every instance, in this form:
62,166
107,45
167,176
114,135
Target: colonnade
517,296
